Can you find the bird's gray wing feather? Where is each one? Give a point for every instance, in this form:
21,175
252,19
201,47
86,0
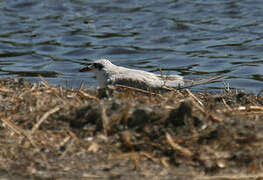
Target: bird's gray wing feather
136,78
173,81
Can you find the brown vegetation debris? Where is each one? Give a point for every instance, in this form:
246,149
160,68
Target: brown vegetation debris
53,132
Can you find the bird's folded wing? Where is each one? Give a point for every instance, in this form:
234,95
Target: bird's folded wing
136,78
174,81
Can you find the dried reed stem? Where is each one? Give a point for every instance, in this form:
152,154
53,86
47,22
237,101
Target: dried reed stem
12,125
105,120
44,82
3,89
176,147
87,96
43,118
18,130
194,97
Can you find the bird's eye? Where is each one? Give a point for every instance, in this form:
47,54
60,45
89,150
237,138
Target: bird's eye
98,66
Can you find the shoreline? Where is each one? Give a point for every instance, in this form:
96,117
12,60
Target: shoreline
54,132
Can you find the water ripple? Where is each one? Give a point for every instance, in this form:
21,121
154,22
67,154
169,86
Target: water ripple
194,38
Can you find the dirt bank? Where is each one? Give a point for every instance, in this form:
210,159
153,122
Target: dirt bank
49,132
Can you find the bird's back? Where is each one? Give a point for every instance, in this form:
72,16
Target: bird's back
142,79
135,78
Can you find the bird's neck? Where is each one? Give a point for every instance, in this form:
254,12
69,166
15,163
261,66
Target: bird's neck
101,77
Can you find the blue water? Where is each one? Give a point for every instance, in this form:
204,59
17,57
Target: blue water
193,38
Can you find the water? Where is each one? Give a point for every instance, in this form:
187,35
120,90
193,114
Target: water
193,38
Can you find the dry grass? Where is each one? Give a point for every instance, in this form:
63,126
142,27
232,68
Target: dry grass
52,132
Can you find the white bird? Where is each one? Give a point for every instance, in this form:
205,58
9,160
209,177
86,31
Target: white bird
107,73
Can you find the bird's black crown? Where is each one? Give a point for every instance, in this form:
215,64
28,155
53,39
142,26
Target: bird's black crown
98,66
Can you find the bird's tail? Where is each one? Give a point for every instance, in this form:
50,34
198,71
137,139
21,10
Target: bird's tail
194,82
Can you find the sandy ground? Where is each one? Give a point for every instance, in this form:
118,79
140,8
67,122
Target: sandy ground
49,132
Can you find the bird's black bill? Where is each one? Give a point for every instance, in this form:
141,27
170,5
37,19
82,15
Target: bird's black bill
86,69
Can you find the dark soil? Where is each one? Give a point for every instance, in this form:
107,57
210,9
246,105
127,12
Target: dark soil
49,132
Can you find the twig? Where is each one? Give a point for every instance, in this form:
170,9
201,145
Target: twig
18,130
250,108
126,112
126,138
177,147
200,106
105,120
44,82
91,176
215,118
81,85
149,156
94,147
227,87
150,94
168,88
244,109
43,118
225,104
5,90
34,87
164,162
64,141
12,125
194,97
87,96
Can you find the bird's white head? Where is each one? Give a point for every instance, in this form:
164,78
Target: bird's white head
98,65
101,68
